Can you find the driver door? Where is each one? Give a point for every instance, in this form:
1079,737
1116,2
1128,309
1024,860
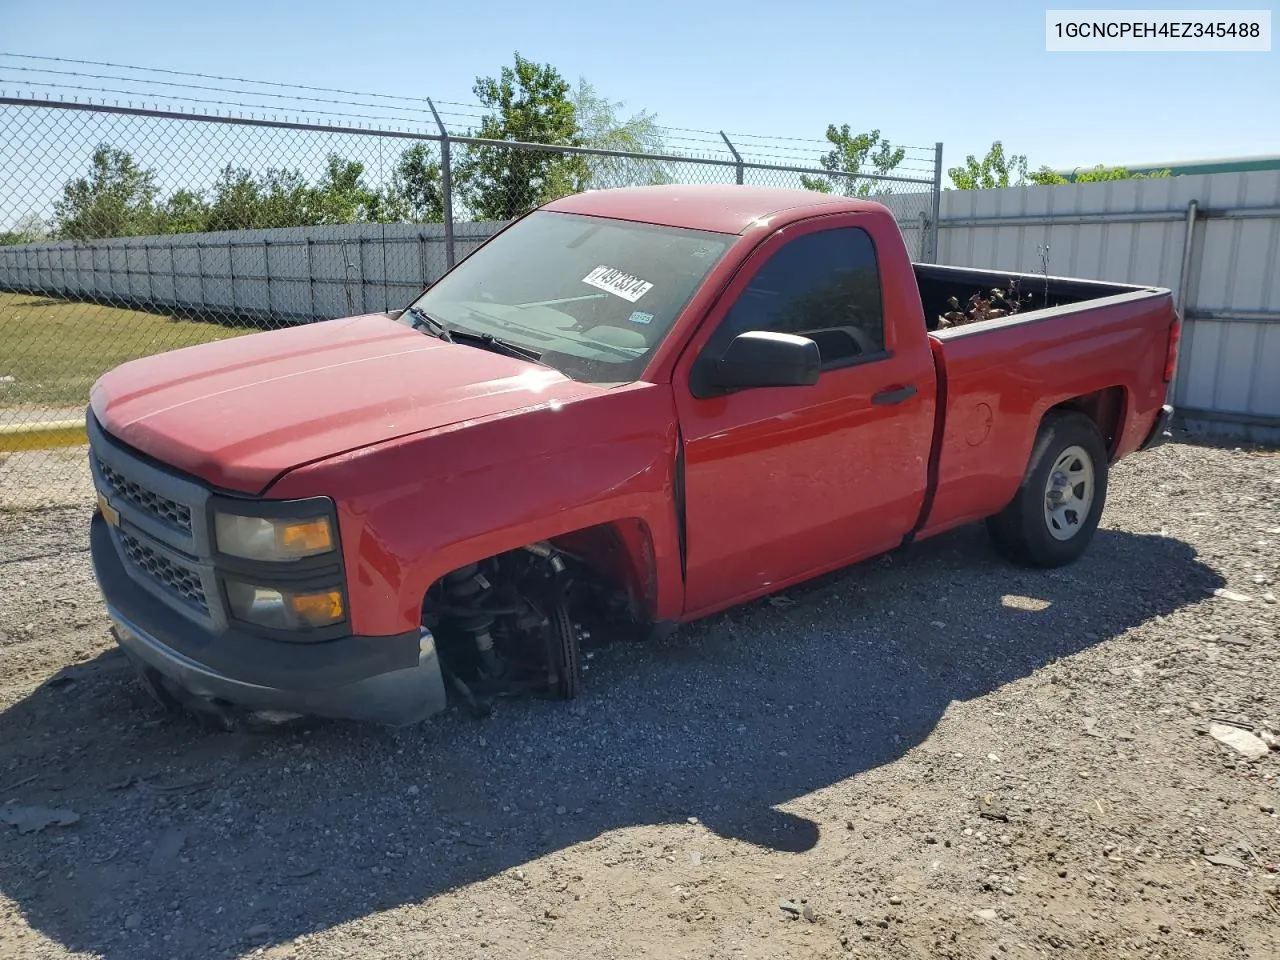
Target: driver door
782,483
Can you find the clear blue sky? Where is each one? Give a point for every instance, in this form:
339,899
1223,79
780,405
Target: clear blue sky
962,73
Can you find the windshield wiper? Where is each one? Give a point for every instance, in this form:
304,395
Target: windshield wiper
424,321
488,341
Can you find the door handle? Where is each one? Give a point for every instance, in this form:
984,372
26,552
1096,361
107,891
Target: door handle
894,395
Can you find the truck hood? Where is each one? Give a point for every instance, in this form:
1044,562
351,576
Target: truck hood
240,412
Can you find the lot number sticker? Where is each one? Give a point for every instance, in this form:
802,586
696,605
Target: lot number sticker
620,284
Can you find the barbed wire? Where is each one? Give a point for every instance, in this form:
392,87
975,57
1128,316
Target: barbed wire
214,76
224,103
411,113
425,111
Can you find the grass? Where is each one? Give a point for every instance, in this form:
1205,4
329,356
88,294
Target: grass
55,349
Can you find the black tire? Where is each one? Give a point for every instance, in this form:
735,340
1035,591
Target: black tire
566,652
1021,531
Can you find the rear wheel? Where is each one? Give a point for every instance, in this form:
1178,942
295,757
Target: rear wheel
1054,514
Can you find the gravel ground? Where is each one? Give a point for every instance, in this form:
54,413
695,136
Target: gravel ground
938,755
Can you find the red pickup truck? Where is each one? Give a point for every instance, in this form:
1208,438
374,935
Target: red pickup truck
629,408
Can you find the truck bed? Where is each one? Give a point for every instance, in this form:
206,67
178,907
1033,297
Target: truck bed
1100,347
1037,293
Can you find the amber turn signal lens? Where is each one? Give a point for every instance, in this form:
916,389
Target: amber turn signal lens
311,536
282,609
317,609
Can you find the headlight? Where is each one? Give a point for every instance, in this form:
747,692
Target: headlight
282,609
261,538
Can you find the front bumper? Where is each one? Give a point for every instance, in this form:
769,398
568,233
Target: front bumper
1160,429
393,680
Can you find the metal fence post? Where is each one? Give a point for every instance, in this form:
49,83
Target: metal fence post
364,282
173,275
1184,286
446,188
204,297
311,282
346,278
266,271
737,157
1184,278
386,291
934,251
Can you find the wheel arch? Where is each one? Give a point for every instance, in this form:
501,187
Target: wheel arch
1105,407
622,551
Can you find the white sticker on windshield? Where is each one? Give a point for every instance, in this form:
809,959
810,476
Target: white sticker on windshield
620,284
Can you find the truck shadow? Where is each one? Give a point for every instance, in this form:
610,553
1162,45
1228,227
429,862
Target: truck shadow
198,843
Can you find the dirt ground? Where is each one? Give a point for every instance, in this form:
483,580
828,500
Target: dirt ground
937,755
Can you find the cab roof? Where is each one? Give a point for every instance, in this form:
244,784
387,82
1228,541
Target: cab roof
720,207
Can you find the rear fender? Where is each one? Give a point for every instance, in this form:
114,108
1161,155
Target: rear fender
1106,408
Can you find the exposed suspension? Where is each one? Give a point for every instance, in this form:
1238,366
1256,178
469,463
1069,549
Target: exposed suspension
469,592
503,626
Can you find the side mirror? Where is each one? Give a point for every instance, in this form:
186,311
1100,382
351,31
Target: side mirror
762,358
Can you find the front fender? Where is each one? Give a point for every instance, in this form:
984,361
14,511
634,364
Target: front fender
413,509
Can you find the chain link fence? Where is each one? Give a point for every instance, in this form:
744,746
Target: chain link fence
132,232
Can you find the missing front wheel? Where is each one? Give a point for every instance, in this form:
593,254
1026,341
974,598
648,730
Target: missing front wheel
504,627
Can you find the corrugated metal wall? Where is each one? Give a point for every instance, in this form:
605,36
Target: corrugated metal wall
1135,231
291,273
1128,231
299,273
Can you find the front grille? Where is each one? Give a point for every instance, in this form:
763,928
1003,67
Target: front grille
170,512
179,579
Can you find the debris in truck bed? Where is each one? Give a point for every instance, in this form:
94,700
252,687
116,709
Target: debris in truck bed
991,305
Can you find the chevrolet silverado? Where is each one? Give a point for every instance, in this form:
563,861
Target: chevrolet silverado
629,408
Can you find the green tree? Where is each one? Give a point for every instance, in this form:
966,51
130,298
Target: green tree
529,102
415,193
277,198
30,228
1098,174
342,195
600,125
117,199
855,155
996,169
184,212
991,171
237,201
284,200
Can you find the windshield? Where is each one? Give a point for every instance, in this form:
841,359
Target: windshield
593,296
